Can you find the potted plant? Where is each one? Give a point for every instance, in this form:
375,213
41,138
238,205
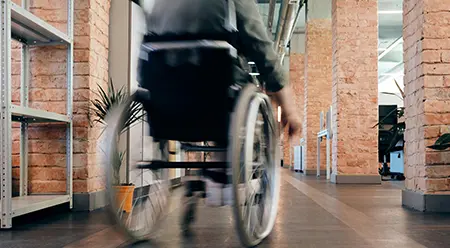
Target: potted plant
99,109
442,143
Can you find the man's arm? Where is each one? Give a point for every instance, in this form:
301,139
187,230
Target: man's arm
257,45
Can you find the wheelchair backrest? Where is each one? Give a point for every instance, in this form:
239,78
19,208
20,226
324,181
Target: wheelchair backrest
186,62
189,84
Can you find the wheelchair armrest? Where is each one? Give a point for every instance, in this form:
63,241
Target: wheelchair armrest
142,95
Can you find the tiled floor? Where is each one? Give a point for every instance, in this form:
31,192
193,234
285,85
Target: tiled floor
313,213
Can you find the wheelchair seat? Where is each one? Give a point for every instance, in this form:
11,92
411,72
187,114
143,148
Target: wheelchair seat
189,83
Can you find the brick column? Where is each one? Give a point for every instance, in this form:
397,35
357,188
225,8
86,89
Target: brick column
317,77
355,92
47,91
427,102
91,70
296,82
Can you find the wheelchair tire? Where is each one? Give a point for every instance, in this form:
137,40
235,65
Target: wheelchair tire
139,210
255,211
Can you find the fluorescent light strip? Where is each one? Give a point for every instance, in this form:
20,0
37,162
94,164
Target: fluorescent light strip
389,12
279,113
392,46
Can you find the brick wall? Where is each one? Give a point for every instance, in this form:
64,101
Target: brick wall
47,91
297,83
98,71
426,27
355,87
317,84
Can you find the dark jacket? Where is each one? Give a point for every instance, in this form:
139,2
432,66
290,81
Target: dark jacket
208,16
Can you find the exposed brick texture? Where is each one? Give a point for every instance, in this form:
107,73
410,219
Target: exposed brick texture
296,82
355,87
426,28
47,91
317,84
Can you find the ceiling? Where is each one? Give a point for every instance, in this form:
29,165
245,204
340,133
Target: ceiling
390,42
264,10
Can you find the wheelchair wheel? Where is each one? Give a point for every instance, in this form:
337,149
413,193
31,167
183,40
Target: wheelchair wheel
138,198
254,160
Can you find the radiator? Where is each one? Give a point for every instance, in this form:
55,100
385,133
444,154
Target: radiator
298,158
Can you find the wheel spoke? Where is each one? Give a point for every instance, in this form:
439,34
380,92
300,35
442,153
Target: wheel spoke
253,165
149,189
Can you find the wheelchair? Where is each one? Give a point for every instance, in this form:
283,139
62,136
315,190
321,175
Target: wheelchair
188,94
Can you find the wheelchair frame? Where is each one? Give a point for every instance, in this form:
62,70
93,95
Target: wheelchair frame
250,102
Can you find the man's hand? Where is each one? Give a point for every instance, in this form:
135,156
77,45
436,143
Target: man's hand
293,122
289,114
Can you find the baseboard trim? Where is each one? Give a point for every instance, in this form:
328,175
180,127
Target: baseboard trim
355,179
313,172
89,201
437,203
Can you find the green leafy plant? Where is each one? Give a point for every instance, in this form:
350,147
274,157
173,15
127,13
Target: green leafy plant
100,107
111,98
442,143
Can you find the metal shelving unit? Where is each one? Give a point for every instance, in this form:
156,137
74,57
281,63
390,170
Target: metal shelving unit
20,24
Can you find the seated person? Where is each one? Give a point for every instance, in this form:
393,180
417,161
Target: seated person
252,42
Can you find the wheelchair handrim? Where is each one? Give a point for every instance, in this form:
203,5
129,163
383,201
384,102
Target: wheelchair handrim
261,101
247,96
114,121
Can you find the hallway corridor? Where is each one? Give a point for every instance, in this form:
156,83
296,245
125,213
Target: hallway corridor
313,213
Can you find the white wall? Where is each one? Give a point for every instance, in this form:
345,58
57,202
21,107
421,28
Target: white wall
298,43
119,43
140,142
119,54
286,67
138,28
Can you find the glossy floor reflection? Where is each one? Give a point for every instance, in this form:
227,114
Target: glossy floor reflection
313,213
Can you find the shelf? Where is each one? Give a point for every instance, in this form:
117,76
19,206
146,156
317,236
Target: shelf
322,133
35,115
32,203
31,30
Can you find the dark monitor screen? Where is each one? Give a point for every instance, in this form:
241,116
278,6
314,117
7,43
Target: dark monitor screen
384,111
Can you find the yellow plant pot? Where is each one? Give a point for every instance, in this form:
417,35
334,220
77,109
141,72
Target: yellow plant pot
124,197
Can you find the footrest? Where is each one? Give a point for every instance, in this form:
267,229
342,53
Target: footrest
193,148
154,165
